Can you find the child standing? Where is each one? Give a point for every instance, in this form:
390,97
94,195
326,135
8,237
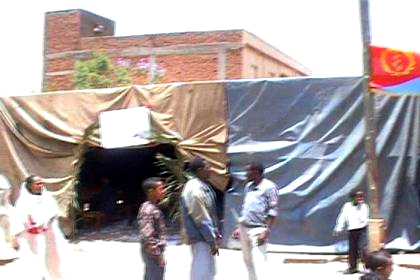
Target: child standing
152,229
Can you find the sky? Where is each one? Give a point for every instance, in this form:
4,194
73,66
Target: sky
323,35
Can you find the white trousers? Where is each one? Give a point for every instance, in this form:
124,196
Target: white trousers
37,254
6,251
203,265
255,257
43,253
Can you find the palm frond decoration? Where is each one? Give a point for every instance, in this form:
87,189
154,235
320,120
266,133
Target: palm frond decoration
90,138
172,169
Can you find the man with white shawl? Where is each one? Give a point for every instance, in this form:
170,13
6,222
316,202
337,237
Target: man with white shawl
36,229
6,215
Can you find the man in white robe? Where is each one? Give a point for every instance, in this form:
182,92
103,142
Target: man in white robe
6,215
36,230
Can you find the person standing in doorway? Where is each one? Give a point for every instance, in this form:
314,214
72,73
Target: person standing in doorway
257,219
354,217
152,229
107,200
200,220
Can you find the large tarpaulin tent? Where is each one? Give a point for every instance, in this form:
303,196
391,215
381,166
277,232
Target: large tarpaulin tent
42,134
308,132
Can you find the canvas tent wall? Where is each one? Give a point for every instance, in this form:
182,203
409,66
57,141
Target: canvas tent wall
307,131
42,134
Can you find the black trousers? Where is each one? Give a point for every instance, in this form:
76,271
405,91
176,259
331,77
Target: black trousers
357,245
152,269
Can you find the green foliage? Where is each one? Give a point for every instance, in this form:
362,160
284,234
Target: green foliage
99,72
175,177
122,76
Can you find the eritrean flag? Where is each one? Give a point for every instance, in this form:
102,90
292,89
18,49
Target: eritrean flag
395,71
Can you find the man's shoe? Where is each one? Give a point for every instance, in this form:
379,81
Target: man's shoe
350,271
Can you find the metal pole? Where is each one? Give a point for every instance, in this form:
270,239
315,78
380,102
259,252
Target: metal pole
376,222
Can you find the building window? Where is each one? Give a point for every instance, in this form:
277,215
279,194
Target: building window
272,75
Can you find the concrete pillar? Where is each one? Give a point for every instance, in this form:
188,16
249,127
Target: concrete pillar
221,64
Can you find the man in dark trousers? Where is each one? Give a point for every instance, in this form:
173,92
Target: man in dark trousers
354,217
152,229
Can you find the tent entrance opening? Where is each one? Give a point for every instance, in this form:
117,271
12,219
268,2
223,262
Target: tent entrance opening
109,188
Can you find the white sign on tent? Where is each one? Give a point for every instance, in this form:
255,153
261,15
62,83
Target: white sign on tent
125,127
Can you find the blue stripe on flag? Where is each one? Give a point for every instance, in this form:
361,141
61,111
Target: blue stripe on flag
411,87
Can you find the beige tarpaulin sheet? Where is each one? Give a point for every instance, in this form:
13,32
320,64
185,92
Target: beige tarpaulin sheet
41,134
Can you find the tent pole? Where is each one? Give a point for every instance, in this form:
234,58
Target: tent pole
375,230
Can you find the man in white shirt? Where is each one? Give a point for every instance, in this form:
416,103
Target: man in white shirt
354,217
257,218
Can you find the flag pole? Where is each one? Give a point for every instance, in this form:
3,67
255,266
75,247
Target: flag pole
375,230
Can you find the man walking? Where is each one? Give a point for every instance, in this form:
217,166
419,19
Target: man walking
257,218
200,221
354,216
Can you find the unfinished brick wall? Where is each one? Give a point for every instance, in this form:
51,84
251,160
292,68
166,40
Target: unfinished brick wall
188,68
63,33
176,57
259,65
234,64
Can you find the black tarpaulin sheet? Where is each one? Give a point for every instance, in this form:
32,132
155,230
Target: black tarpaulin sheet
309,134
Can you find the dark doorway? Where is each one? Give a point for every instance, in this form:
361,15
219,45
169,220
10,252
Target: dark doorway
109,188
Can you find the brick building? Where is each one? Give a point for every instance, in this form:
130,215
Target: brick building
73,35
